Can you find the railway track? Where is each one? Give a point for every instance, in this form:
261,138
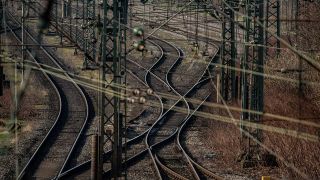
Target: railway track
143,153
131,160
176,21
178,160
58,146
163,166
166,126
135,158
141,74
169,87
181,30
202,93
175,164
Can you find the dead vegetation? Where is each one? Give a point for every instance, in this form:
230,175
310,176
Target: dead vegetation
294,93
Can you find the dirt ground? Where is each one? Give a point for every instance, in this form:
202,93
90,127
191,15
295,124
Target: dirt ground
36,113
296,158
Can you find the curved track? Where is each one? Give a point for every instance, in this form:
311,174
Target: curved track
138,156
170,128
202,93
166,85
168,138
57,147
167,125
141,74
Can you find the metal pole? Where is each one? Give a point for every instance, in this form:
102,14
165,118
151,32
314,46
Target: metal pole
102,97
56,9
22,40
69,14
228,52
89,35
113,74
1,68
1,75
94,157
272,24
62,20
218,87
252,92
77,22
131,4
197,27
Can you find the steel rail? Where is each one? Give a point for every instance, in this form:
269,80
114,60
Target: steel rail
142,153
51,134
86,165
166,78
57,92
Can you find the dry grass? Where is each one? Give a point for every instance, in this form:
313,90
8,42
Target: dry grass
281,98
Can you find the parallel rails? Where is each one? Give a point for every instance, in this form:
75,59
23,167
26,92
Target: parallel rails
188,159
131,160
167,82
183,128
175,118
140,155
191,165
36,7
178,135
59,99
143,153
177,20
182,31
86,165
70,123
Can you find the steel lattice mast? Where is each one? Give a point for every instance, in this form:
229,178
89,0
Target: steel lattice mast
228,50
252,85
1,68
113,75
78,35
301,14
89,33
273,25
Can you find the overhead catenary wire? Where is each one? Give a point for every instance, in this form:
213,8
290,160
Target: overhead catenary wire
111,92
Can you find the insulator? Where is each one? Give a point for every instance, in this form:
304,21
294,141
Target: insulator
136,92
131,100
139,46
283,70
138,31
142,100
149,91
